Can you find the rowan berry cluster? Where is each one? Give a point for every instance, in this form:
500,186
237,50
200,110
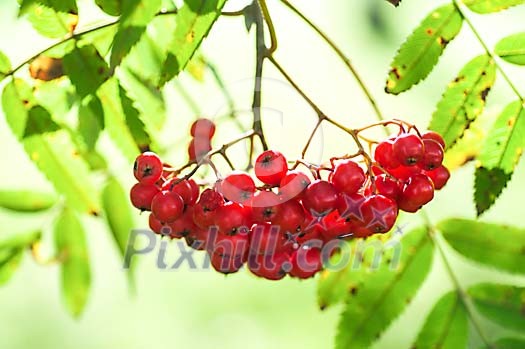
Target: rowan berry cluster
279,225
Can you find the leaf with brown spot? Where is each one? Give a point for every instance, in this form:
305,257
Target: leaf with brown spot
464,99
490,6
421,51
488,185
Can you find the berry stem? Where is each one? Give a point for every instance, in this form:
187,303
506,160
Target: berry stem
271,28
346,60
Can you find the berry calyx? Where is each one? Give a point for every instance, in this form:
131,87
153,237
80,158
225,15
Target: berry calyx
147,168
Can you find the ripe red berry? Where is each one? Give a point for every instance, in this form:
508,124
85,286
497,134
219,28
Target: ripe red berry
147,168
142,195
184,225
154,224
226,264
290,216
380,213
203,128
264,206
384,155
205,209
387,186
197,239
198,148
292,185
418,191
195,191
232,218
237,186
439,176
408,149
231,245
167,206
348,177
434,136
433,155
268,239
403,173
182,188
320,197
271,167
270,267
306,262
337,227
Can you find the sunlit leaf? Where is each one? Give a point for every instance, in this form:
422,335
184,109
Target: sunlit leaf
115,119
381,295
136,127
194,21
138,12
464,99
5,65
421,51
493,245
489,6
17,99
51,23
91,121
26,200
70,242
446,326
111,7
512,48
101,39
488,185
11,253
123,42
118,213
197,68
507,343
87,69
39,122
500,303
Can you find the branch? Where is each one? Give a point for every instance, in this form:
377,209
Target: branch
271,28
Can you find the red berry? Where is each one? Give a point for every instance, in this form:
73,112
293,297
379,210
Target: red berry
434,136
232,218
204,211
198,148
439,176
380,213
231,245
268,239
181,187
418,191
271,167
147,168
264,206
226,264
384,155
348,177
167,206
237,186
290,216
387,186
408,149
403,173
203,128
197,239
293,185
195,191
142,195
320,197
306,262
433,155
350,208
154,224
184,225
337,227
271,267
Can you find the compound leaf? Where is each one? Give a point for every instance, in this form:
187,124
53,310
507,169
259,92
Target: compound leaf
489,6
512,49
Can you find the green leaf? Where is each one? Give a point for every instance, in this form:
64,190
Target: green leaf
464,99
381,295
86,69
512,49
447,325
39,122
66,6
194,21
17,99
56,156
118,213
90,121
70,242
497,246
134,122
505,142
488,186
508,343
500,303
26,200
102,39
489,6
11,253
197,68
421,51
111,7
138,12
124,40
51,23
115,119
5,65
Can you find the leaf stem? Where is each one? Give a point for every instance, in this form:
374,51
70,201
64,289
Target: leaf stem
463,14
346,60
463,296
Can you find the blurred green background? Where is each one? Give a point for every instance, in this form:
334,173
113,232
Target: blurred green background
184,308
